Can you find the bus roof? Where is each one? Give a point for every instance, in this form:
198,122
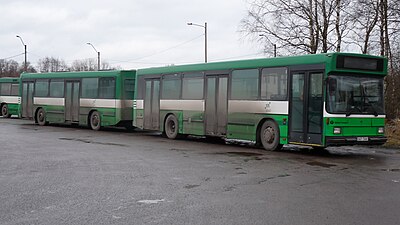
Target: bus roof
329,59
77,74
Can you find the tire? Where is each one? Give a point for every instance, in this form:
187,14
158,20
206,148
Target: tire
4,111
41,117
95,121
269,136
171,127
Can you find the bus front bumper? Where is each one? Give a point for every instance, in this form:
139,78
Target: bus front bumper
332,141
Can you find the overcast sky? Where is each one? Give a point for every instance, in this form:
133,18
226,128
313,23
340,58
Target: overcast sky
128,33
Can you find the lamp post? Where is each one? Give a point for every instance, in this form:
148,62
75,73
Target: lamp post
98,55
205,37
25,65
262,35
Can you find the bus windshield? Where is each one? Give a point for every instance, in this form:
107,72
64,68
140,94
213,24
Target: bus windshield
355,95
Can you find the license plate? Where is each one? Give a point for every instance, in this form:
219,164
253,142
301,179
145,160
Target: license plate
362,138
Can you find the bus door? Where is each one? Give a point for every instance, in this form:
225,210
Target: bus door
306,108
27,99
216,105
152,104
72,102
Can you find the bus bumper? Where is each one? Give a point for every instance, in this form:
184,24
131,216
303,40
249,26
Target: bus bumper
335,141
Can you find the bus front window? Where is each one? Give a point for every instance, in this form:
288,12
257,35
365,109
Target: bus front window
354,95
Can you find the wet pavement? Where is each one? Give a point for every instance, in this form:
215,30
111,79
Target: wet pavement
72,175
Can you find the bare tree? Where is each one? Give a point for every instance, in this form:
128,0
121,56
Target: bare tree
342,23
297,26
9,68
365,16
90,65
106,66
52,64
84,65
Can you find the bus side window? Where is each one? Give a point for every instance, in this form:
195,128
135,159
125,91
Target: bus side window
42,88
5,89
193,86
171,86
57,88
245,84
129,88
274,84
107,88
90,87
14,89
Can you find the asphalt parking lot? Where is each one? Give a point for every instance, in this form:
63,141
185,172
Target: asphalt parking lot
73,175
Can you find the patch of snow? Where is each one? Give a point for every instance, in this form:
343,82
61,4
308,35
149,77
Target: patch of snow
155,201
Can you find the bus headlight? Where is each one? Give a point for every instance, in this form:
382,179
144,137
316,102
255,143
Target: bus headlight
337,130
381,130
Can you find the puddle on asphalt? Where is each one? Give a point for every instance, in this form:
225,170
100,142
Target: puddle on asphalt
190,186
178,150
316,163
93,142
249,155
391,170
245,153
274,177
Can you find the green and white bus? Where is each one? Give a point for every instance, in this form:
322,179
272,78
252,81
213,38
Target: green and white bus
9,96
314,100
96,99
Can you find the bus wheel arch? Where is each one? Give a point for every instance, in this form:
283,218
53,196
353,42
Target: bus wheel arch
94,120
40,116
5,110
268,135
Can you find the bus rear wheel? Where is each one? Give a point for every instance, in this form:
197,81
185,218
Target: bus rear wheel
269,136
95,121
171,127
41,117
4,111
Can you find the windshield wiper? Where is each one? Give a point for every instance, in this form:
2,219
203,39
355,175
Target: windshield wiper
374,111
352,109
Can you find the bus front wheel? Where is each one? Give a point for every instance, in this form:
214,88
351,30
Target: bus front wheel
4,111
269,136
41,117
95,121
171,127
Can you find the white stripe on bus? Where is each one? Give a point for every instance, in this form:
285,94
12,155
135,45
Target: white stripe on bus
235,106
100,103
84,102
9,99
246,106
193,105
48,101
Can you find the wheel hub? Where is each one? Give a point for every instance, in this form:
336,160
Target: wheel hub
95,120
172,126
41,117
269,135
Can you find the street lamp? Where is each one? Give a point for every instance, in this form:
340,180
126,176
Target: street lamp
262,35
98,55
205,37
25,65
